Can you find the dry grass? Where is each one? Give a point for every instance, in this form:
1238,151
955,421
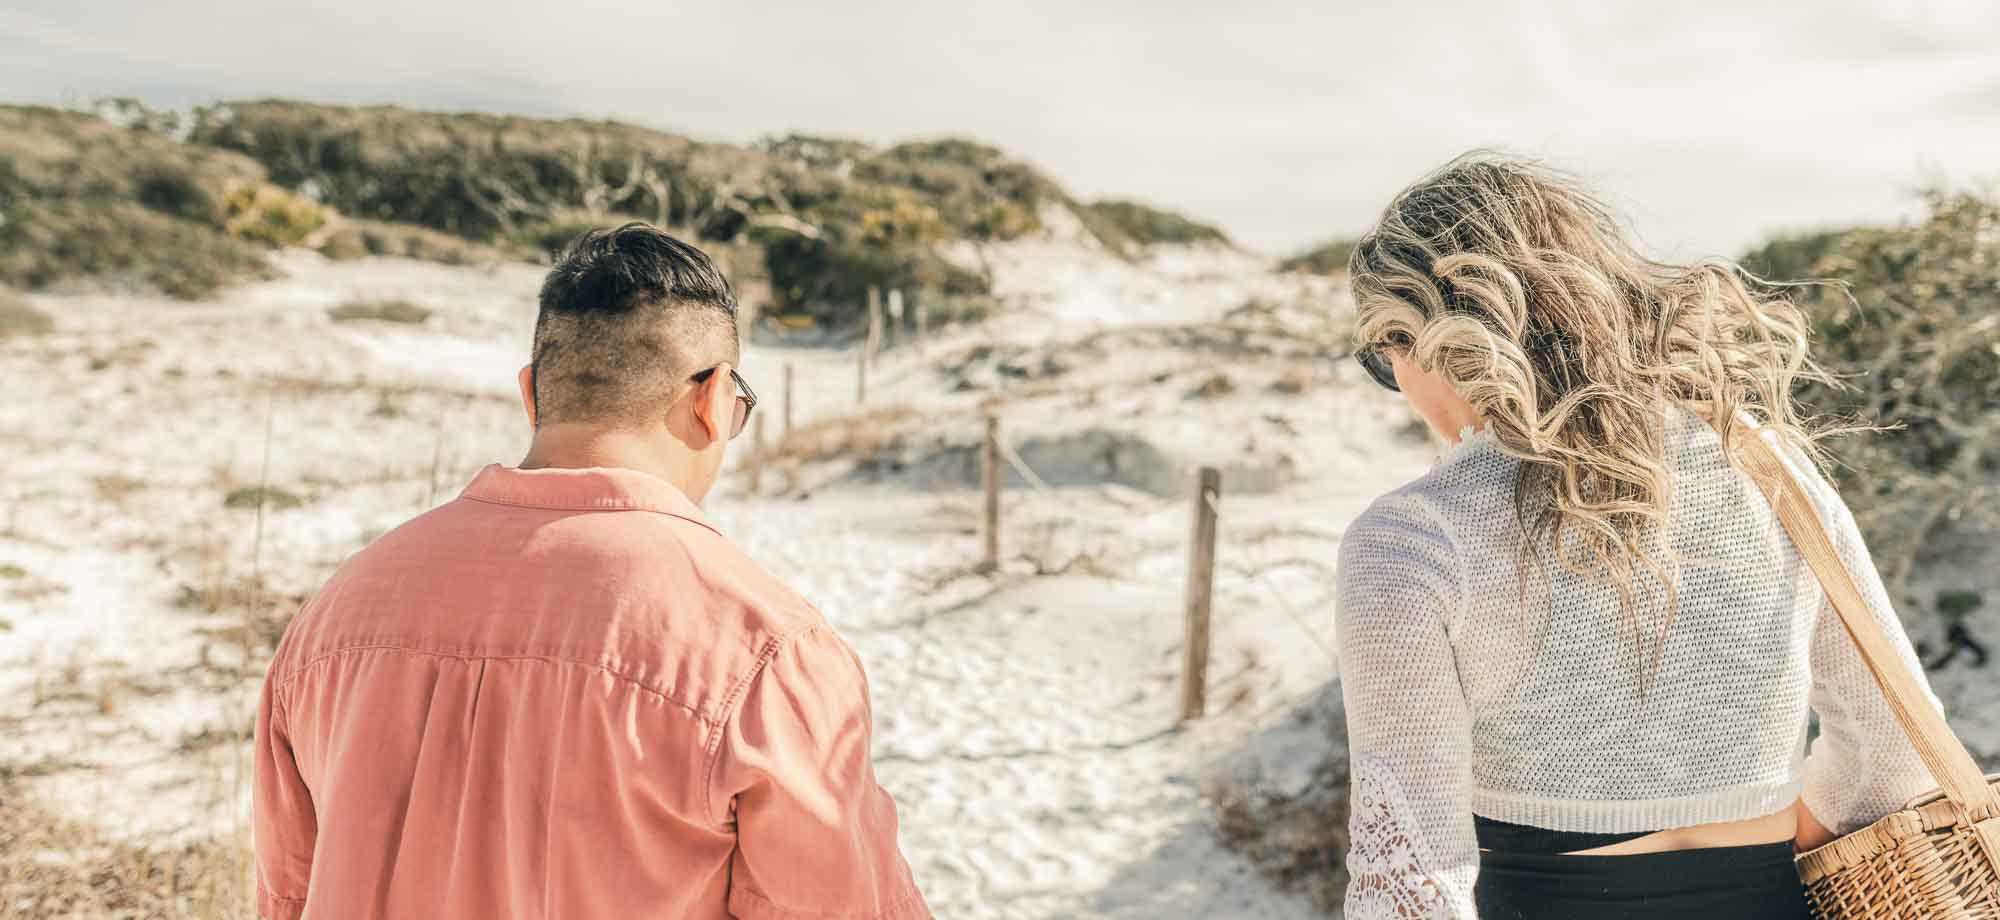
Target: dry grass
55,868
1215,386
384,311
115,487
261,496
1293,380
852,436
18,317
1298,841
285,385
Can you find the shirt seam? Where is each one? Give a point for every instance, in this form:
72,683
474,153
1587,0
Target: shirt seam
571,506
728,709
279,723
285,682
267,892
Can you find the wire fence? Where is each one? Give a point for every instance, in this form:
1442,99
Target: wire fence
1200,573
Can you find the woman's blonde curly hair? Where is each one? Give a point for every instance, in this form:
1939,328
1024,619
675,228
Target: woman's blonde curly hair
1527,293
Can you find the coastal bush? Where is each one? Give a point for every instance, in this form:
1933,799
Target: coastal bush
1328,258
267,214
828,217
120,242
1911,326
81,197
1144,225
354,239
823,219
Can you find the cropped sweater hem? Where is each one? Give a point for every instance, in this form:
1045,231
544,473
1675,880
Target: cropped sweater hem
1631,816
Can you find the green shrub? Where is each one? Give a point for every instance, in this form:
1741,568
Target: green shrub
976,189
548,237
484,177
1913,331
268,496
1328,258
1956,605
81,197
823,218
355,239
43,242
1793,258
268,214
827,218
1148,226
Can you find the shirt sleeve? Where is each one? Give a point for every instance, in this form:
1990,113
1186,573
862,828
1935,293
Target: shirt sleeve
816,835
1412,849
1862,766
284,826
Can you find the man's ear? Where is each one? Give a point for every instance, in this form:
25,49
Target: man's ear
715,404
527,381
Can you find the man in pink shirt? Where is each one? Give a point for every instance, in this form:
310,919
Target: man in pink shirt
565,694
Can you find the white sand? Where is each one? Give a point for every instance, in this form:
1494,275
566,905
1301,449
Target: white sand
1025,719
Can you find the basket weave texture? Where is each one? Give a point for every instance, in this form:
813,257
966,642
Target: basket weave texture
1924,862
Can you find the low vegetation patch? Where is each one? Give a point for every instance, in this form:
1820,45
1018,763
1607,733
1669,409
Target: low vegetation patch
1298,840
54,868
81,197
357,239
1214,386
1911,326
267,496
386,311
1117,222
855,436
1328,258
19,317
823,219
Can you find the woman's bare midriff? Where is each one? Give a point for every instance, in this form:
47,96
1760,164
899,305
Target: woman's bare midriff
1781,827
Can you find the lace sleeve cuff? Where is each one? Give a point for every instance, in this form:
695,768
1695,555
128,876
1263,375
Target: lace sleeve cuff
1393,872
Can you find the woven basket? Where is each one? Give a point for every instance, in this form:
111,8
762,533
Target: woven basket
1923,861
1939,857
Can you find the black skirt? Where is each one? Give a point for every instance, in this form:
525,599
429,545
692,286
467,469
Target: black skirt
1716,883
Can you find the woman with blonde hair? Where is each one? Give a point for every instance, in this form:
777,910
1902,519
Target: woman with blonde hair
1578,654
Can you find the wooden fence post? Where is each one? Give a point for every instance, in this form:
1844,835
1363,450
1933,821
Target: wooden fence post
788,401
861,378
746,322
895,317
989,474
1200,588
756,455
923,320
874,322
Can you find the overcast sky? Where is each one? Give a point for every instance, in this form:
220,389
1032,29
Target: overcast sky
1285,122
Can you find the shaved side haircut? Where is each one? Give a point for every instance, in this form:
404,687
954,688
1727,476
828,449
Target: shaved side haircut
628,314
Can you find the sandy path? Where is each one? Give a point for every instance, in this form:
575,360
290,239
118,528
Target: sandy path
1024,722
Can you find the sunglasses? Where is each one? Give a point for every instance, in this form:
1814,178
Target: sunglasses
1375,360
746,399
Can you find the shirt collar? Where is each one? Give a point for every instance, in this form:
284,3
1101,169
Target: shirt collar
591,489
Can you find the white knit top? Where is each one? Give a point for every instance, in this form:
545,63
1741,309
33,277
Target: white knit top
1463,699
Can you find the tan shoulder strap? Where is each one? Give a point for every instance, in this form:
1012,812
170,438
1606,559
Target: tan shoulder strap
1946,758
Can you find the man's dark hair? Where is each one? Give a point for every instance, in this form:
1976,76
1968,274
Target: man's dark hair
628,314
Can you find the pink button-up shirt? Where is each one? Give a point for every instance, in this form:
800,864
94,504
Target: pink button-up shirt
567,695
